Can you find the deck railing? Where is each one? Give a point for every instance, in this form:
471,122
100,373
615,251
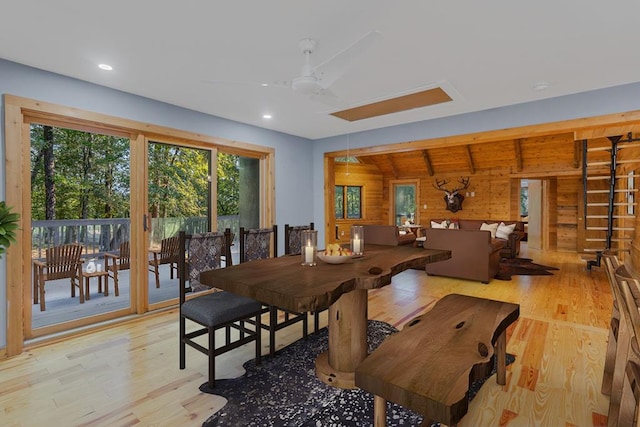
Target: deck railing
102,235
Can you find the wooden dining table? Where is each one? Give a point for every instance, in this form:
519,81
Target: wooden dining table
283,282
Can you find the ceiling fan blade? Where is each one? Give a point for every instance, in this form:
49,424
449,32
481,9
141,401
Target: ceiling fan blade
282,84
332,69
328,98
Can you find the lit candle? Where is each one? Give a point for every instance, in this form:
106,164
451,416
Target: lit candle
308,254
356,246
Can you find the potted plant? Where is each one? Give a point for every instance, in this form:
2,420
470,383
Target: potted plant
8,225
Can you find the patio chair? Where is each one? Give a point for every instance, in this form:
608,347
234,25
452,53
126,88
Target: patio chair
213,310
115,262
61,262
256,244
167,254
293,246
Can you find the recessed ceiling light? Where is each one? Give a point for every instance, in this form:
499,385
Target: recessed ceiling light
266,116
541,86
105,67
264,84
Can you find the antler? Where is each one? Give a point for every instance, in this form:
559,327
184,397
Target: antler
439,184
464,182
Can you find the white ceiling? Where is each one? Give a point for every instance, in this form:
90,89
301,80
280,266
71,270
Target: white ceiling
485,54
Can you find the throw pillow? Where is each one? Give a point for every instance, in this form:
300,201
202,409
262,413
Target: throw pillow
435,224
492,228
504,230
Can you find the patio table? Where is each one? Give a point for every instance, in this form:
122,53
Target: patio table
285,283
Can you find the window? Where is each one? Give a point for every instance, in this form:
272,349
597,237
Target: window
524,198
405,203
348,202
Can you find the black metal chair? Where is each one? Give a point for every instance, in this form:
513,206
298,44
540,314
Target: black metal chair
257,244
213,310
293,246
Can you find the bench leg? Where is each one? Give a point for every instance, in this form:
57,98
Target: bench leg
501,355
379,411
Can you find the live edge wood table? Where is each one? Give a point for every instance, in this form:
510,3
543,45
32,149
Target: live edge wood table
429,365
285,283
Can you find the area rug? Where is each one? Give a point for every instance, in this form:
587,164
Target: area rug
284,391
523,267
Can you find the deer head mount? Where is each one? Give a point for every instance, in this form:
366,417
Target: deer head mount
452,198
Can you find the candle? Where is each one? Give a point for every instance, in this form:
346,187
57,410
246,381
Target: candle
356,246
308,254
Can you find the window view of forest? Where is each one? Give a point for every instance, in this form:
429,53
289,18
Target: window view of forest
77,175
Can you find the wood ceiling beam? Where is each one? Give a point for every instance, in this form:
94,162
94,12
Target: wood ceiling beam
427,162
394,171
577,154
472,168
517,146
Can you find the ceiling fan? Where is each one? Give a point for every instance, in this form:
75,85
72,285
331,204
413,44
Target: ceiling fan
315,81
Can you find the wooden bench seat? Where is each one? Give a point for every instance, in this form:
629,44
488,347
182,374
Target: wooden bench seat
429,365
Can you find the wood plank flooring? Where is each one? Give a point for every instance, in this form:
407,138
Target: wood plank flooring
128,374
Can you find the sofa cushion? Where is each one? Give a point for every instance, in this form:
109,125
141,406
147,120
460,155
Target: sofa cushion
503,230
442,224
492,228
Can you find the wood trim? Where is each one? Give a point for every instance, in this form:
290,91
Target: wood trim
574,126
329,197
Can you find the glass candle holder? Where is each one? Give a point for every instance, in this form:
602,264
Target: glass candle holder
357,239
309,247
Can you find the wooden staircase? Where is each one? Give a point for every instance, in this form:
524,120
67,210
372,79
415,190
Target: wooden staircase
609,196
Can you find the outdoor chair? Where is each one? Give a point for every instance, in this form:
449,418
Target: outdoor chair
115,262
213,310
255,244
61,262
167,254
293,246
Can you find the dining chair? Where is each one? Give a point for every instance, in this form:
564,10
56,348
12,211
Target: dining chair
114,262
629,403
293,246
167,254
611,263
240,317
262,243
61,262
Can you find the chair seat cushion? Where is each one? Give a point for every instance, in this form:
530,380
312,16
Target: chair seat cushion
219,307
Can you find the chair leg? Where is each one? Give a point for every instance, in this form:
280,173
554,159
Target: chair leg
36,275
157,275
305,325
116,289
316,321
41,291
273,324
258,338
183,346
212,357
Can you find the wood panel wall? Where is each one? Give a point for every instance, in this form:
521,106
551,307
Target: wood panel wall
371,180
632,259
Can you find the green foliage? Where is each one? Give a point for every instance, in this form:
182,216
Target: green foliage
8,225
228,184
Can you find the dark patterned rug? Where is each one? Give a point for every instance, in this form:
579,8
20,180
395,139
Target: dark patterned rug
284,391
521,267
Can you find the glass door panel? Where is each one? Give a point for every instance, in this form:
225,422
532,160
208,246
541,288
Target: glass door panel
179,189
80,195
238,195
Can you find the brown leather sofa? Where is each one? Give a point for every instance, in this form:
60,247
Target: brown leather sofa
512,244
376,234
474,254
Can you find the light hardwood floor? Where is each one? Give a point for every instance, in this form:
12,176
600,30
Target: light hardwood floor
128,374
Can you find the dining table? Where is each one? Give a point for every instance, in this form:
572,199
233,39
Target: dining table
285,283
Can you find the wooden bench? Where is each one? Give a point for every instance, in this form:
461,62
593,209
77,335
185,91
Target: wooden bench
429,365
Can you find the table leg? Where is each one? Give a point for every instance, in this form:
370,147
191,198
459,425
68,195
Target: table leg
347,340
87,291
501,358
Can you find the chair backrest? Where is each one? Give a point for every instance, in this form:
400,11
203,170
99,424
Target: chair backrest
63,261
204,252
169,250
255,243
293,238
125,254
